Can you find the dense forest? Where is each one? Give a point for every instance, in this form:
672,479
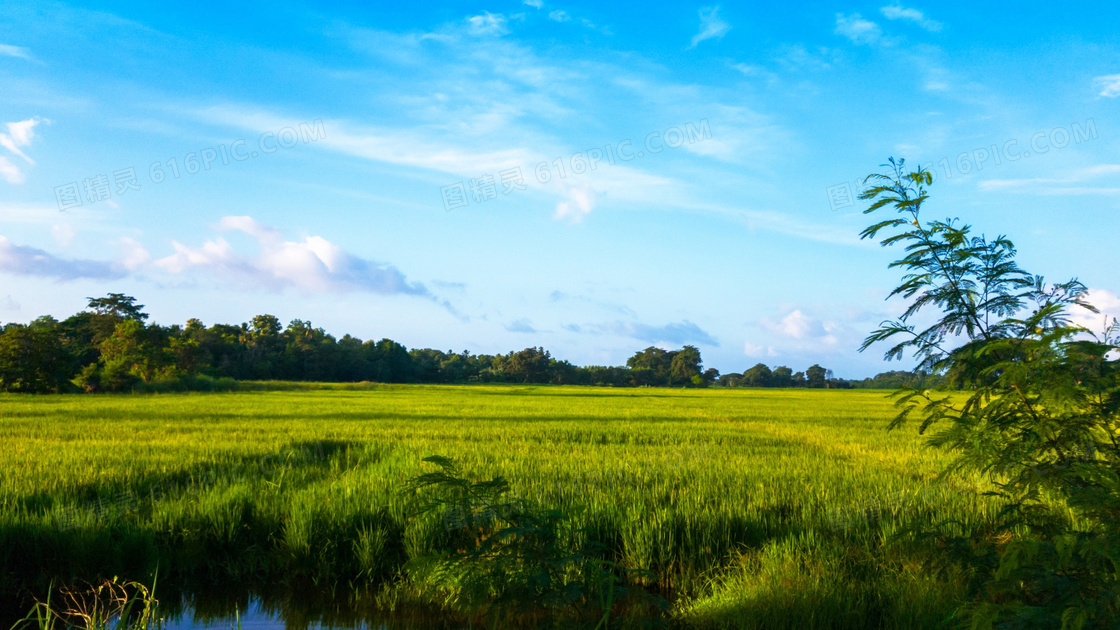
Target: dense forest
110,347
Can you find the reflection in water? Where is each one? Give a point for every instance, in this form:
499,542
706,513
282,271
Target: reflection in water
254,616
289,611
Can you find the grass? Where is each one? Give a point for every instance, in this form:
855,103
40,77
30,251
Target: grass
752,508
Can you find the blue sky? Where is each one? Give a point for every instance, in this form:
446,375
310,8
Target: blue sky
425,174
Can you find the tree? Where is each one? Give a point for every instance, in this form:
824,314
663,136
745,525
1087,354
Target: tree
757,376
34,358
309,352
264,347
1040,419
730,380
710,375
816,375
134,352
656,362
782,376
119,306
529,365
684,366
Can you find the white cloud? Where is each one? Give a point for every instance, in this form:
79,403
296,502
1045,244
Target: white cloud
14,51
135,255
384,145
62,234
800,326
250,226
857,29
451,157
1107,302
750,70
711,25
1109,85
10,172
20,134
536,4
488,24
580,203
898,12
754,350
559,16
312,265
9,304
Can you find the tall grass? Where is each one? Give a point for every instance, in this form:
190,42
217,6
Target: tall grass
730,498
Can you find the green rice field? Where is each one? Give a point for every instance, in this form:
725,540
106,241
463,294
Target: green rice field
752,508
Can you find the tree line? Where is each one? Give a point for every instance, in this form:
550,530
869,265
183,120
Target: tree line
762,376
111,347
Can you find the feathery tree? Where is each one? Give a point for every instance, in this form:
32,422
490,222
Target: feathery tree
1039,418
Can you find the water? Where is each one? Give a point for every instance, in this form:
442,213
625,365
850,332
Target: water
291,613
257,616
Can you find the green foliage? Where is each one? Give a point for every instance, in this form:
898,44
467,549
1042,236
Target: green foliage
896,379
35,358
817,376
781,376
685,365
118,306
110,348
528,366
1040,418
108,605
758,376
677,481
655,365
508,561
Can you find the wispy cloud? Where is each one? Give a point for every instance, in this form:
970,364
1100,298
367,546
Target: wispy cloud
1071,185
559,16
14,51
434,152
522,325
20,134
857,29
1109,85
711,26
536,4
899,12
29,261
312,265
488,23
678,333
